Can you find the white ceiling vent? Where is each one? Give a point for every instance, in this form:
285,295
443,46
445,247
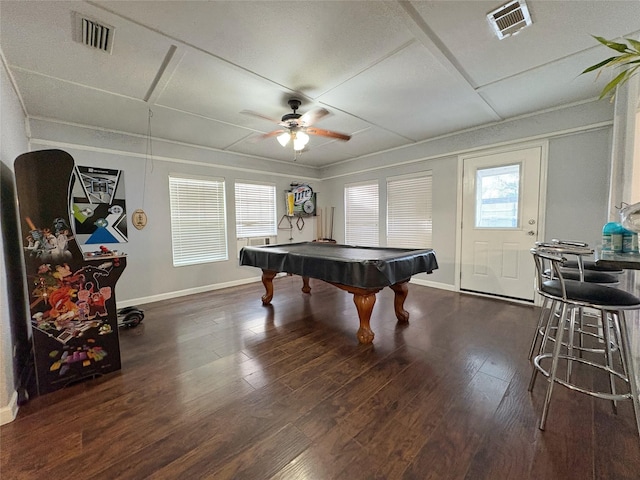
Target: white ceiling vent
510,18
93,33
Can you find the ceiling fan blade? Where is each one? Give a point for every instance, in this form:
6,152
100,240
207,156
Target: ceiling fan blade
312,116
327,133
275,133
259,115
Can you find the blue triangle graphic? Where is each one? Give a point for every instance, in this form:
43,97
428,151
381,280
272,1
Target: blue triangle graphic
101,235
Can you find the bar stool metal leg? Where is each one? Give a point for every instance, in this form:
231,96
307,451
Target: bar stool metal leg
545,338
582,327
572,330
609,362
541,317
554,365
625,347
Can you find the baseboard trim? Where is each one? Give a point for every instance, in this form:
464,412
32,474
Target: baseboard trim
438,285
188,291
9,412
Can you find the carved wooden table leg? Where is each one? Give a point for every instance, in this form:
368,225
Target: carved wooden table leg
364,305
401,290
305,285
365,299
267,281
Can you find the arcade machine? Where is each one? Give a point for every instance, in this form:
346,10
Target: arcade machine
71,296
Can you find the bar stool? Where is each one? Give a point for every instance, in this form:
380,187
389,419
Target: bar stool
580,273
569,296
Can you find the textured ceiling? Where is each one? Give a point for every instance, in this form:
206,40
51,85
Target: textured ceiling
390,73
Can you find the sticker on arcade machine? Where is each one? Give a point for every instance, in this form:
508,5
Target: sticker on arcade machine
98,207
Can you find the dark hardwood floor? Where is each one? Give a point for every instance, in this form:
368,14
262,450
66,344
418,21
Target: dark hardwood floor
217,386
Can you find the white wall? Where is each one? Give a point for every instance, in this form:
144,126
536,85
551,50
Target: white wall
13,142
577,186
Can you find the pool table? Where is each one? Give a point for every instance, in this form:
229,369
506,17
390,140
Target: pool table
362,271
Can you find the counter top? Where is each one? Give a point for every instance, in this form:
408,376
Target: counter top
627,261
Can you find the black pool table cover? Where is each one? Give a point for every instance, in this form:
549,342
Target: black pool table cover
362,267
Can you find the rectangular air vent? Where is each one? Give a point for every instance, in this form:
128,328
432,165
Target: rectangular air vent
93,33
510,18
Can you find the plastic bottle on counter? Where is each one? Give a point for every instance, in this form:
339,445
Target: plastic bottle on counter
629,241
612,237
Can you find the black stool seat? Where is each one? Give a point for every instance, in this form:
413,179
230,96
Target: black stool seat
589,265
591,293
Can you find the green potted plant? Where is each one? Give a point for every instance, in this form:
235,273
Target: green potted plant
628,59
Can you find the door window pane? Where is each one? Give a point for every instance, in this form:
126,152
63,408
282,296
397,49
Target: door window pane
497,197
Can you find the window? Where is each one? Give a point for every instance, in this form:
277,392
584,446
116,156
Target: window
198,220
409,212
255,210
497,197
361,214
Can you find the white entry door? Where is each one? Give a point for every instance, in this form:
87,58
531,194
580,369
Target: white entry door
500,215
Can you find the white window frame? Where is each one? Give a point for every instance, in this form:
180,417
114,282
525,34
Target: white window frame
198,219
256,211
362,213
410,211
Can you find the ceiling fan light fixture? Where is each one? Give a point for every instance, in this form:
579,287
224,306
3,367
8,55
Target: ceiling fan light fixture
284,138
297,128
300,140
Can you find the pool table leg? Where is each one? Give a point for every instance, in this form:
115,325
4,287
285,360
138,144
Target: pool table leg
267,281
305,285
364,305
364,299
401,290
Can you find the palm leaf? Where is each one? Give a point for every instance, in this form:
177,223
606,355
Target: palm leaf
599,65
620,47
620,79
623,60
628,61
634,43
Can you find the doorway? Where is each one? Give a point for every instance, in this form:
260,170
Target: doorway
501,220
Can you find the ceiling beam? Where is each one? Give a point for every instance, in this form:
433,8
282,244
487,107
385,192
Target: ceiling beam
427,37
168,66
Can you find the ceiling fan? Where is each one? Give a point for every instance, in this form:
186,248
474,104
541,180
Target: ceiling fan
298,127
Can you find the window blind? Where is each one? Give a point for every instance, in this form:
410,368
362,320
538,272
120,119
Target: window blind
198,220
361,208
409,212
255,210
